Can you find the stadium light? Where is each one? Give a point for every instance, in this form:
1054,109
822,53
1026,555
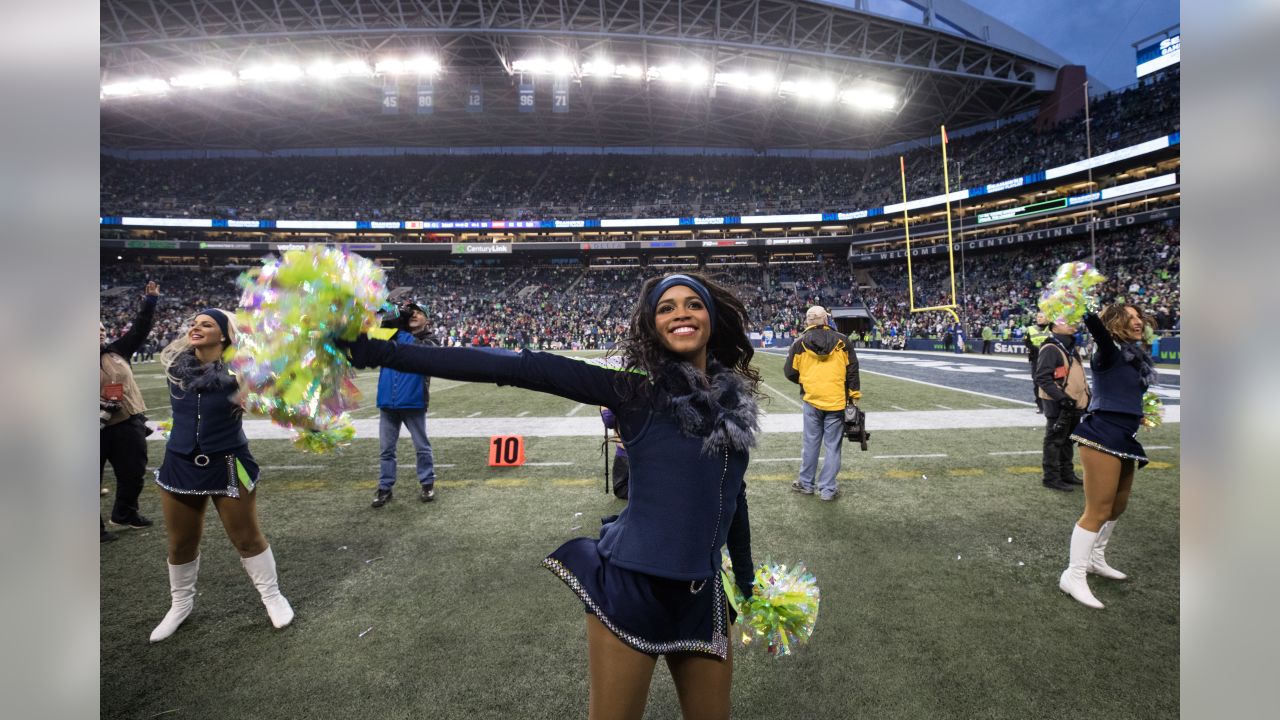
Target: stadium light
271,73
868,98
205,79
414,66
142,86
328,70
600,67
541,66
817,91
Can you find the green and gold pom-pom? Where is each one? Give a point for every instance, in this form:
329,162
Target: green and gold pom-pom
781,613
1068,296
1152,410
290,309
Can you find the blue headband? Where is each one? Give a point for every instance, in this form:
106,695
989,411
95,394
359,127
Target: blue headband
672,280
220,318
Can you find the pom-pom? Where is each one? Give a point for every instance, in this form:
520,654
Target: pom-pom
1152,410
1069,295
291,308
165,427
781,612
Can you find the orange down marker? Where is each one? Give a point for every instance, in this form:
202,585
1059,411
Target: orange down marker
506,450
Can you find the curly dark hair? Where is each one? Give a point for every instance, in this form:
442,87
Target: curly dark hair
1117,321
642,349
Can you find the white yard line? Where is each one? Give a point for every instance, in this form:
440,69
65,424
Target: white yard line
1017,452
944,387
760,460
474,414
548,464
574,411
784,396
891,457
898,407
944,407
993,407
522,413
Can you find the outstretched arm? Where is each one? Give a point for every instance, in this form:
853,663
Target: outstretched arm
129,343
581,380
1107,350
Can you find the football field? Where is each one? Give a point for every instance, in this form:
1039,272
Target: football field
938,567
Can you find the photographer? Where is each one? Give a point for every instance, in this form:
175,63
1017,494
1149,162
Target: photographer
824,364
123,430
402,400
1064,392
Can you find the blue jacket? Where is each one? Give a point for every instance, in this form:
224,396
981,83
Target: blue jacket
684,506
402,390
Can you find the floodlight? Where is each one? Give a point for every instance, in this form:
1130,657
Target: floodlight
531,65
328,70
733,79
868,98
143,86
600,67
204,79
420,65
560,66
631,71
271,73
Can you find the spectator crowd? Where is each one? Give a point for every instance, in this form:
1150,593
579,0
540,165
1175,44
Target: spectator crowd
520,303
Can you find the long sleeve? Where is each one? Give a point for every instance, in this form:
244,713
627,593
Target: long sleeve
1107,352
739,543
579,380
852,380
129,343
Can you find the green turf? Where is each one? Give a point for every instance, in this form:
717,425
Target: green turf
929,611
450,398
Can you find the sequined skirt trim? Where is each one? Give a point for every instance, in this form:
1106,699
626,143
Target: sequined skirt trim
719,645
219,477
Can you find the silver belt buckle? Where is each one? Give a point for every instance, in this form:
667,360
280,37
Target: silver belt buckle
201,460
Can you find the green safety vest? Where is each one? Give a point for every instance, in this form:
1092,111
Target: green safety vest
1037,335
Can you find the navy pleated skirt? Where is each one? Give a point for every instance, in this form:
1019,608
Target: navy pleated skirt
208,474
651,614
1112,433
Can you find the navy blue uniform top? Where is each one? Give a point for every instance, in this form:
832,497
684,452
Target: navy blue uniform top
207,421
683,505
1117,383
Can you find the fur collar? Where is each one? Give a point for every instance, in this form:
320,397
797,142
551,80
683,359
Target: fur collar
1134,354
722,413
199,377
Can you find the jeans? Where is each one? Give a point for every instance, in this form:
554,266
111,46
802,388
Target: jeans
825,428
389,434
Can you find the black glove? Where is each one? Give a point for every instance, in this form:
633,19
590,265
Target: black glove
746,585
362,352
106,409
1067,405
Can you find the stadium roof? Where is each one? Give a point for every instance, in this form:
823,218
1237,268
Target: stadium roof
637,73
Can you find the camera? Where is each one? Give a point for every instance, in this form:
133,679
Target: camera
855,426
107,408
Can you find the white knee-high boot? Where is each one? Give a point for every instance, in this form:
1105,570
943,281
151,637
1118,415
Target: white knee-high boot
1098,559
1073,581
182,591
262,571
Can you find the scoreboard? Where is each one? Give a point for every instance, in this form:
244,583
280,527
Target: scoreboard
1159,55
